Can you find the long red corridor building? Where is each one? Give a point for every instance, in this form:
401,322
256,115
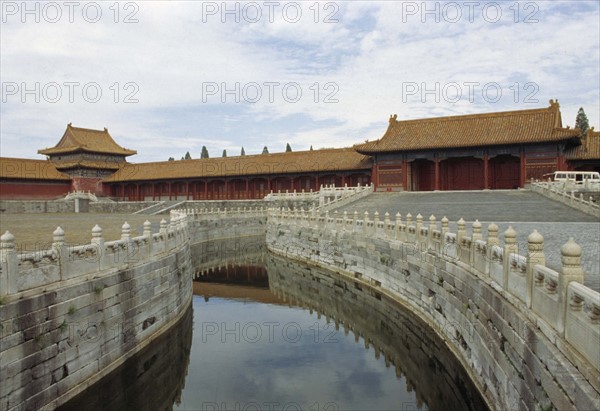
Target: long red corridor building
501,150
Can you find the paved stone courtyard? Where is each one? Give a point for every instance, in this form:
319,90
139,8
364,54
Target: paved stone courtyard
34,231
523,209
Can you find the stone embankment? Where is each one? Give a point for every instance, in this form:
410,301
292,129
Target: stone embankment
70,315
527,335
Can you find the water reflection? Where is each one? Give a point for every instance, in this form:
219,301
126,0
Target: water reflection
405,344
284,336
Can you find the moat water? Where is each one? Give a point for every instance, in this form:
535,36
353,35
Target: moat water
283,336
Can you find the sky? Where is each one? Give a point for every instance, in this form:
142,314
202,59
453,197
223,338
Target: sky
168,77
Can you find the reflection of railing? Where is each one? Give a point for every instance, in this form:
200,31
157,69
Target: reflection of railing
558,192
385,251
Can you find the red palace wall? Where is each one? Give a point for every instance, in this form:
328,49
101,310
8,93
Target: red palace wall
25,190
93,185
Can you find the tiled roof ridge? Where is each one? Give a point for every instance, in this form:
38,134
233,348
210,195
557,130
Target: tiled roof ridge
43,169
459,117
260,155
78,144
72,127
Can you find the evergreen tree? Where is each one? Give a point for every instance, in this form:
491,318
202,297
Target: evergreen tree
188,156
224,153
204,153
311,149
265,150
288,148
581,122
243,153
171,159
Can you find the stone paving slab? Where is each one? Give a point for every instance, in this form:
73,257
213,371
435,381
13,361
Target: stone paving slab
33,232
524,210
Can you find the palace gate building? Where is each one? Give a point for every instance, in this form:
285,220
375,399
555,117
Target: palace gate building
502,150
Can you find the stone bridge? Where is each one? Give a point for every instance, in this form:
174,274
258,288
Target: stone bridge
527,335
71,315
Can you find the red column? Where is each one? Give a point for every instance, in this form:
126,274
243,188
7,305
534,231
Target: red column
375,176
317,182
436,185
343,180
486,172
205,189
170,190
405,175
523,169
187,190
226,190
247,189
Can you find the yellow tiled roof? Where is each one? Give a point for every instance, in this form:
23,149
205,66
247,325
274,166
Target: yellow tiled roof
323,160
24,168
588,150
488,129
84,139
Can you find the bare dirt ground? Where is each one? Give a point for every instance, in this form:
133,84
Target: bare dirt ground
34,231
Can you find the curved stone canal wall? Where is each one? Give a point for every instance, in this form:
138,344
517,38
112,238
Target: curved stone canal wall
527,335
71,315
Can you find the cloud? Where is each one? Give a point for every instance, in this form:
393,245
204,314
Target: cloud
180,77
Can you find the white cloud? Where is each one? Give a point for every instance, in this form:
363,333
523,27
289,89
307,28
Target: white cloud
371,55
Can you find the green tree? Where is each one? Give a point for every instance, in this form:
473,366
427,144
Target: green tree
171,159
288,148
265,150
188,156
204,153
243,153
581,122
224,153
311,149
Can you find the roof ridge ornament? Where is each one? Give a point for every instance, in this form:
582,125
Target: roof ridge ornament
393,118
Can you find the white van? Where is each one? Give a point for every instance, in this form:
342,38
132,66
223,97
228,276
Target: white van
577,179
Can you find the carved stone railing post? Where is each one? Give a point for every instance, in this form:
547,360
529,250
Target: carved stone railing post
476,236
571,271
510,247
461,231
147,228
397,226
445,228
492,240
58,245
126,232
386,224
148,236
535,256
9,264
98,243
432,228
